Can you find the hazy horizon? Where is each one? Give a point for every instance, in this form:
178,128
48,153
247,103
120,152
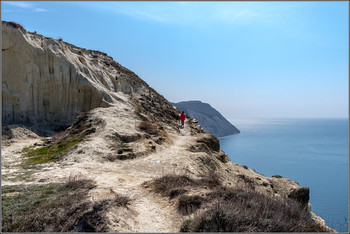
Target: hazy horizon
246,59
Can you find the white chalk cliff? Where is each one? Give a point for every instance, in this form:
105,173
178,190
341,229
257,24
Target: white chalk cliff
128,138
51,81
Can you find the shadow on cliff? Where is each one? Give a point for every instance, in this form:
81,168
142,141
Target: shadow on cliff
49,131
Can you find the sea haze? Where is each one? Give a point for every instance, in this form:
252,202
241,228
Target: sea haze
313,152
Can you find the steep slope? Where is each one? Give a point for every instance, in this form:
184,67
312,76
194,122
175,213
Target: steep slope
47,81
209,118
126,139
122,158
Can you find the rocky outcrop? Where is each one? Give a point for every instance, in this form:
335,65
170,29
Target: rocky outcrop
48,81
302,195
209,118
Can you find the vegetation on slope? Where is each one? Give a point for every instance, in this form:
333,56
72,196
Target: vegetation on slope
222,209
55,208
60,143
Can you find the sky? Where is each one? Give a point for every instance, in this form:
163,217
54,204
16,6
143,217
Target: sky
246,59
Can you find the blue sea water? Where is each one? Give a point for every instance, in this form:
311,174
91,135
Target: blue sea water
313,152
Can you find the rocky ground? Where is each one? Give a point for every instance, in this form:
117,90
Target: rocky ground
125,138
120,157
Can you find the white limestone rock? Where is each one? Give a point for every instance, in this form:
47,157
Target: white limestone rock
51,81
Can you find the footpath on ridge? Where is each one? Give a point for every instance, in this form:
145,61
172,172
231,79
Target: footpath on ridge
150,212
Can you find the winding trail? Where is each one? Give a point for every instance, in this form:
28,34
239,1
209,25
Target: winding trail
147,212
153,213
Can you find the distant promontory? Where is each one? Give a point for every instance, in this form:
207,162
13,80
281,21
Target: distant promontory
209,118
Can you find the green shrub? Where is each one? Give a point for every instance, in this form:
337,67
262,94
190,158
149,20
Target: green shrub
60,143
48,153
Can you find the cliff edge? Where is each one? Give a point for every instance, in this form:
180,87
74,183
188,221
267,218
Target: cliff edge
48,81
122,164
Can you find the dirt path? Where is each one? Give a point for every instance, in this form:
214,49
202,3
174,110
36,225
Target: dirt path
153,214
11,171
150,213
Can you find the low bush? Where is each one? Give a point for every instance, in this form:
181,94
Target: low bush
169,185
15,25
211,141
189,204
246,179
174,185
236,210
38,208
127,138
209,162
55,207
95,219
211,180
148,127
176,192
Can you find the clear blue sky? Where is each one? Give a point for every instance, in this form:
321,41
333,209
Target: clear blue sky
247,59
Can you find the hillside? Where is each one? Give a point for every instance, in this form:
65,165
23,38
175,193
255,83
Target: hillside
49,82
89,146
209,118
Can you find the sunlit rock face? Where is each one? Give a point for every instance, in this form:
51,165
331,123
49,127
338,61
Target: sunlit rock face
51,81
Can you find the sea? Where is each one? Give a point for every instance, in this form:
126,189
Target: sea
313,152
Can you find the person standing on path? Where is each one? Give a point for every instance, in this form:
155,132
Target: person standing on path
182,118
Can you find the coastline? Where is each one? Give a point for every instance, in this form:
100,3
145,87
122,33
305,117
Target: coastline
298,141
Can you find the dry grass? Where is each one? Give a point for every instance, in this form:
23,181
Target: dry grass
211,141
237,210
148,127
189,204
95,220
80,124
231,210
16,25
169,185
173,185
58,136
55,207
178,186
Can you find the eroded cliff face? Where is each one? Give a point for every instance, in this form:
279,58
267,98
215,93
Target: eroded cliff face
51,81
134,140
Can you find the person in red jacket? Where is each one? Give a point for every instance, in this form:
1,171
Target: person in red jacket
182,118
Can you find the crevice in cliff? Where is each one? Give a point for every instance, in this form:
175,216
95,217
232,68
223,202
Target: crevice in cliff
51,64
5,49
